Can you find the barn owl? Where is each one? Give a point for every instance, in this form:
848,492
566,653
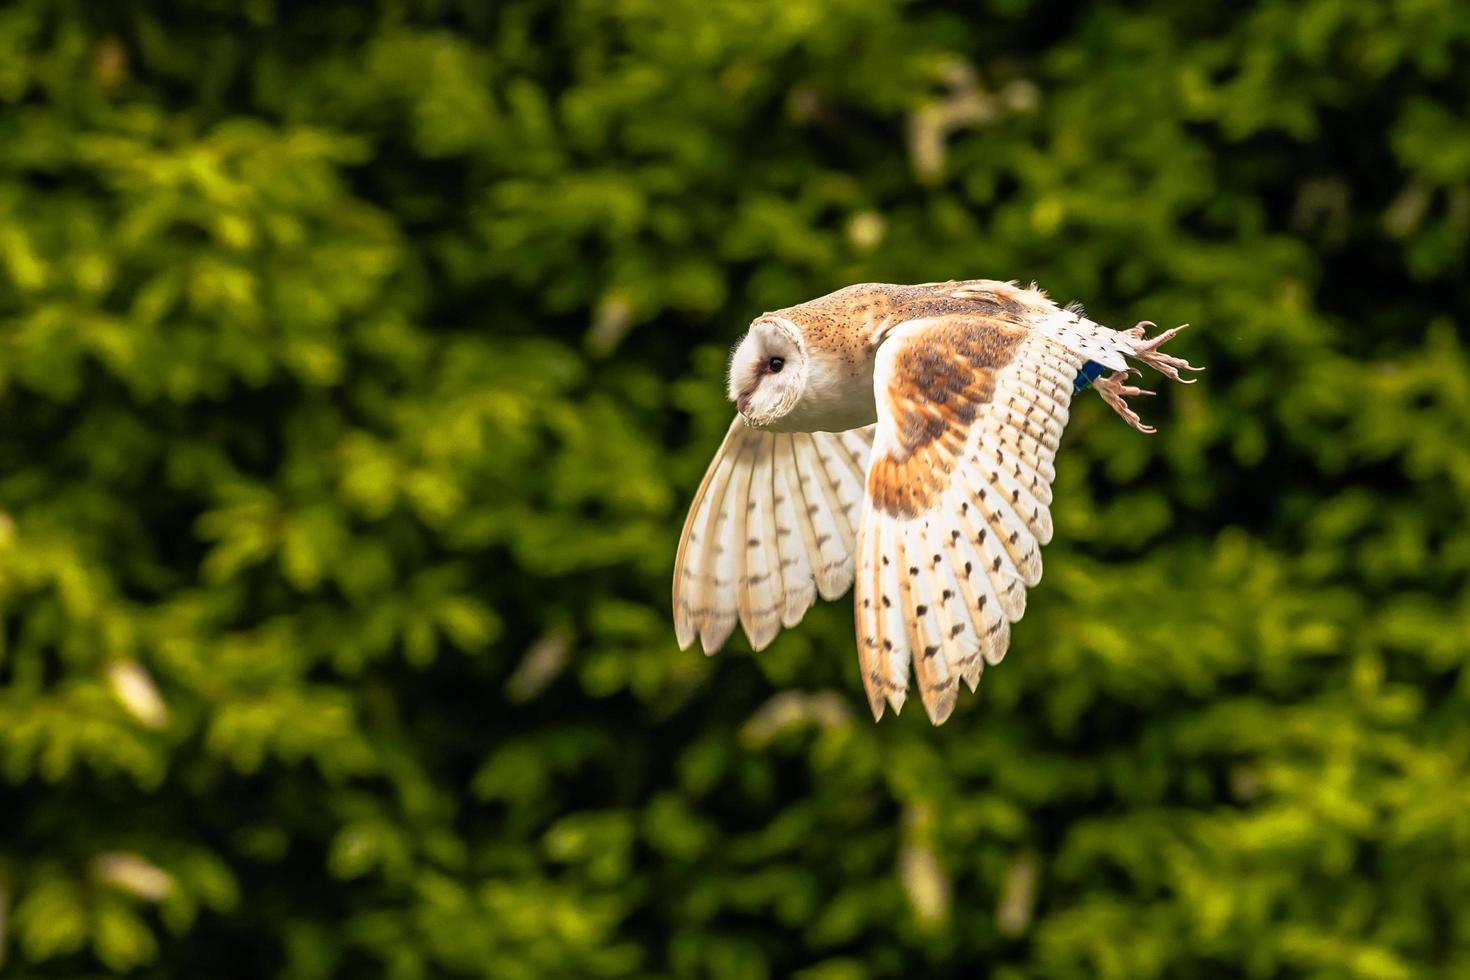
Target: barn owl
900,438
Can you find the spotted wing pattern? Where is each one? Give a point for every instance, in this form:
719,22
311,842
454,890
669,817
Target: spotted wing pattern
773,525
971,408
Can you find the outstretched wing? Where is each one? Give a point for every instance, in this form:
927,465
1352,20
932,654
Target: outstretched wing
971,407
772,526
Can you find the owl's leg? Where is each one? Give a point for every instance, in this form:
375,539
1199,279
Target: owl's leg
1113,391
1147,350
1149,353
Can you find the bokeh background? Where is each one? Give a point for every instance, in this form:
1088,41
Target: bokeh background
359,359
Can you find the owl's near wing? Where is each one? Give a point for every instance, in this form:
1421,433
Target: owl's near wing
773,525
970,411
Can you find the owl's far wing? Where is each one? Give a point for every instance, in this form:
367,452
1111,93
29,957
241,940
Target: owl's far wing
772,526
970,412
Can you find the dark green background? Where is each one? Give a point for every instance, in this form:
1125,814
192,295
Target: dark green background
358,361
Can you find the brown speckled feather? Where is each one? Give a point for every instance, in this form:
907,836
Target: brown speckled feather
971,404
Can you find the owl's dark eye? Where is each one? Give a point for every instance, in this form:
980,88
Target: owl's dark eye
776,364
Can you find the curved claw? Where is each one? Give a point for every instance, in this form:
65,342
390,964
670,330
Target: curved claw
1113,391
1149,353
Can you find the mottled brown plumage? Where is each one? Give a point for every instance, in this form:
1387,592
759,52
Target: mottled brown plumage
940,385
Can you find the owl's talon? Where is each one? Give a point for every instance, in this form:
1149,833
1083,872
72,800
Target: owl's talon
1113,391
1148,351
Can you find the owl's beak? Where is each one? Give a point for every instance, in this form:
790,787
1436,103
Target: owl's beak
742,403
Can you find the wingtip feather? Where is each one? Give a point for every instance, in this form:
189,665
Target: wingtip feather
715,631
971,674
834,581
877,705
941,707
799,598
1031,569
760,628
685,632
997,643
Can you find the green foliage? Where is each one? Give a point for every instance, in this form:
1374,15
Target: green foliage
357,362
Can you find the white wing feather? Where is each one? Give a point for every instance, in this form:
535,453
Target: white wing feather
959,567
771,527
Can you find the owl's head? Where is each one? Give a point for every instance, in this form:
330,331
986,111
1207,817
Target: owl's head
768,371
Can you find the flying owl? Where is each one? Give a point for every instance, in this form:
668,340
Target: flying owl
902,438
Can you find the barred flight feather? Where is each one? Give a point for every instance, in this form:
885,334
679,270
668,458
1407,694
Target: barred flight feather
968,540
771,528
